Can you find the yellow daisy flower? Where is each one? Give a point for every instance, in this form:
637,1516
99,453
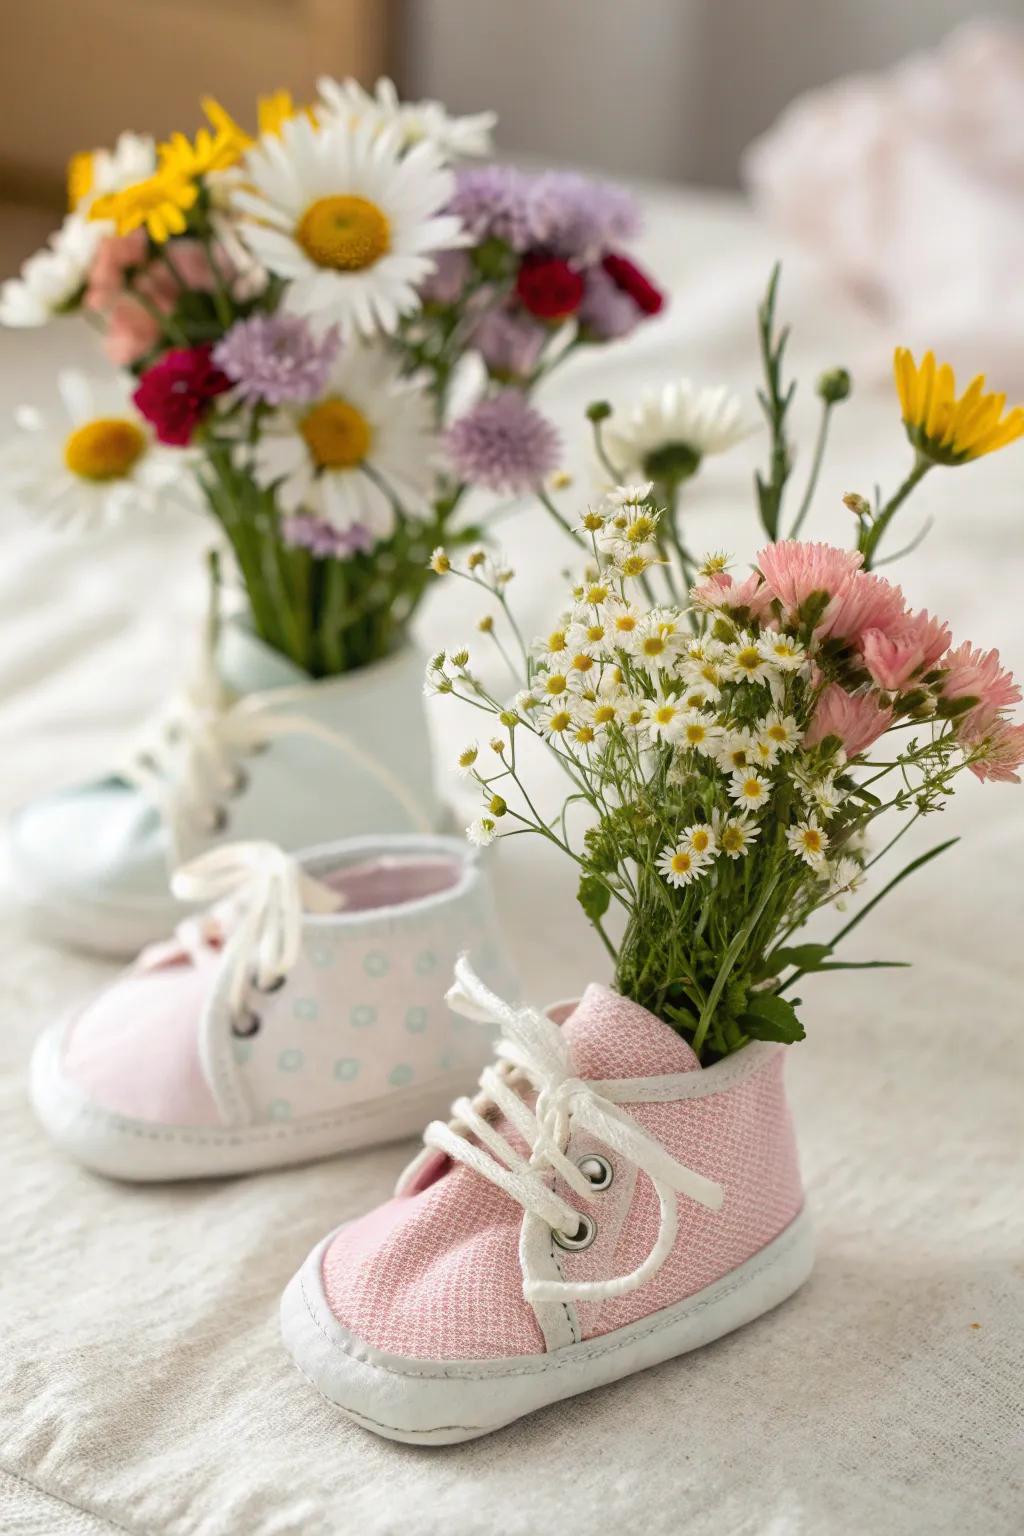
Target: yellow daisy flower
944,428
272,113
191,158
160,202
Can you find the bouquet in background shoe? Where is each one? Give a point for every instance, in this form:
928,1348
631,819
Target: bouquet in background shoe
291,313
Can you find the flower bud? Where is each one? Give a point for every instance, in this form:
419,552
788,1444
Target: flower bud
598,410
497,806
834,386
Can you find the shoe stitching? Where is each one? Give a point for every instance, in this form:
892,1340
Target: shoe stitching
587,1353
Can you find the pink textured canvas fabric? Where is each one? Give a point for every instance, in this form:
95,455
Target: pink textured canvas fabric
436,1274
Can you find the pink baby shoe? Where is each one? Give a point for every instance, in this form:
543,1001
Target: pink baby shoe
302,1015
602,1205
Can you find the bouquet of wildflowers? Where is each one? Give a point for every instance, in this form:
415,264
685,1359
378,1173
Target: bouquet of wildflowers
733,737
292,312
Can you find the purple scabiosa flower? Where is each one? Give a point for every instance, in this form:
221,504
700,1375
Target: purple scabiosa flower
277,358
577,218
494,202
322,539
606,313
503,444
509,342
446,283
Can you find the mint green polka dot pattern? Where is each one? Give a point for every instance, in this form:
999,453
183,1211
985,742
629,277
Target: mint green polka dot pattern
279,1109
416,1020
346,1069
376,963
321,954
399,1076
425,962
363,1015
305,1008
289,1061
241,1050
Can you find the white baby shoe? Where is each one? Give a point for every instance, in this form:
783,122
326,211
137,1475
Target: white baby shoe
251,749
302,1016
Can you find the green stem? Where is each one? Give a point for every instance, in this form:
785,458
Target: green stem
816,463
873,534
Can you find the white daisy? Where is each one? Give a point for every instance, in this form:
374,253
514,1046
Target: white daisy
749,789
343,458
665,719
700,839
552,649
465,763
415,121
698,734
681,866
481,833
600,712
734,834
745,662
781,730
732,751
555,720
809,841
528,702
50,281
707,675
347,220
844,877
622,619
587,635
98,462
825,796
669,430
783,651
98,172
551,685
654,644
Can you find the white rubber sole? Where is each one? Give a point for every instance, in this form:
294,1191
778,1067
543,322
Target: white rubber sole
442,1402
142,1152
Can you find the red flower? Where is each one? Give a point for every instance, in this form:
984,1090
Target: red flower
625,275
175,394
549,288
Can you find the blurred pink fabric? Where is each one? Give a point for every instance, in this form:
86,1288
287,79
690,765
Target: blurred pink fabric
909,185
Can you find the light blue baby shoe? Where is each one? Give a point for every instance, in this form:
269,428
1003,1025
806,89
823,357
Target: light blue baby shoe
252,748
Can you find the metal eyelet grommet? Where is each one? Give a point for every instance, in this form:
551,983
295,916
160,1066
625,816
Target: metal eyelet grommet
217,820
274,985
247,1025
584,1235
597,1170
238,783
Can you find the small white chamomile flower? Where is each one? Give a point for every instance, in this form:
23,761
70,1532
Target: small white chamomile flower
748,788
482,832
745,662
734,834
528,701
586,634
654,645
707,674
622,620
628,495
551,685
553,648
844,877
664,718
762,751
825,797
555,721
782,730
465,763
732,751
600,712
700,839
681,866
698,733
809,841
782,651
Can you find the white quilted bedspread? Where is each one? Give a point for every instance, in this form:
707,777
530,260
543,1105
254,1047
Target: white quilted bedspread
142,1386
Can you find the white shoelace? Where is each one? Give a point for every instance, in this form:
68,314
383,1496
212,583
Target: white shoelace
533,1050
189,761
263,893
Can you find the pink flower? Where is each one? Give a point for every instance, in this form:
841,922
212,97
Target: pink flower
977,675
1002,752
720,592
908,651
858,719
132,329
863,602
794,572
113,258
131,332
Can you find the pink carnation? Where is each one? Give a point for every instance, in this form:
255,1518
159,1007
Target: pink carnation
721,592
132,330
977,675
910,650
863,602
1002,752
858,719
794,572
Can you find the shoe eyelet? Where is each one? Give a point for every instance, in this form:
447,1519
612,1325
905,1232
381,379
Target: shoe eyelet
597,1170
237,784
246,1025
273,985
575,1242
217,821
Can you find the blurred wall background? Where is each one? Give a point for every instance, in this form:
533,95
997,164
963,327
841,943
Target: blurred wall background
669,89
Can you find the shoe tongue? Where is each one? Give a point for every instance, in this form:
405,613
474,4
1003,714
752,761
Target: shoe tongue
246,664
609,1036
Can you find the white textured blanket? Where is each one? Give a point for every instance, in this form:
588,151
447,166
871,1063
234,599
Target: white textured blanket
142,1386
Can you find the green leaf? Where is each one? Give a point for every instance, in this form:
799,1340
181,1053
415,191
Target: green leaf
770,1017
594,897
807,956
861,965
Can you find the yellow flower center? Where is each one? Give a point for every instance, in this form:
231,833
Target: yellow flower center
634,565
700,840
682,862
596,595
665,714
777,733
695,733
640,530
604,714
595,633
555,684
345,233
732,840
812,840
585,735
582,662
752,789
105,449
748,659
653,645
556,641
337,435
560,721
625,623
